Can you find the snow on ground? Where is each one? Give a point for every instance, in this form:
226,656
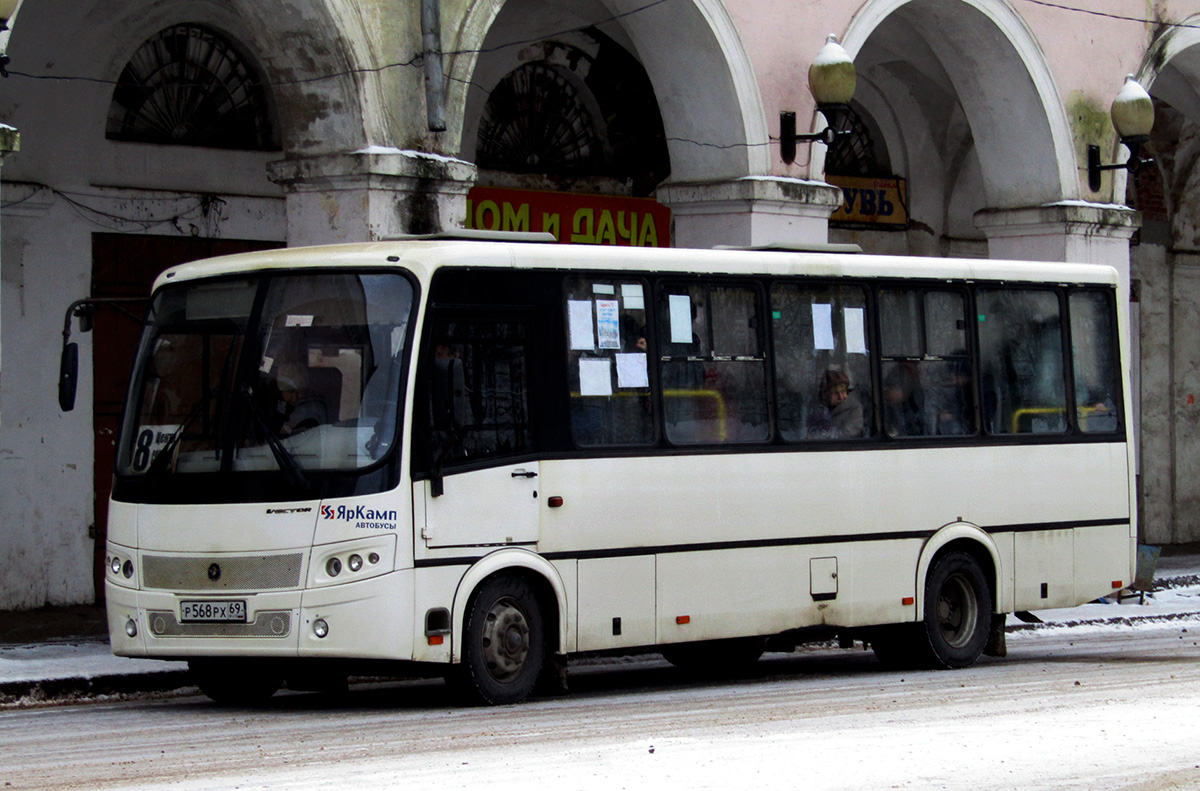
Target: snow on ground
86,659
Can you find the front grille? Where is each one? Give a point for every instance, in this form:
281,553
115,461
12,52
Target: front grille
268,623
231,572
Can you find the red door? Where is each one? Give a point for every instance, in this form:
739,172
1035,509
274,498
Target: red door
125,266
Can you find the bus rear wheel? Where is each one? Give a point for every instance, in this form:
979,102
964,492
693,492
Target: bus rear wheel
504,643
958,612
956,623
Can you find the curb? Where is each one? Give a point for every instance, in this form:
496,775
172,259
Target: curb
118,684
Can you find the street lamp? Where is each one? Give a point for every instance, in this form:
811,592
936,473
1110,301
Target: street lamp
1133,118
831,81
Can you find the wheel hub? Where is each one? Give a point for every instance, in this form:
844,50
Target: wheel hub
505,639
957,611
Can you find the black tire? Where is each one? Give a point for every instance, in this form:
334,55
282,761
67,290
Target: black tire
715,656
504,643
958,613
235,683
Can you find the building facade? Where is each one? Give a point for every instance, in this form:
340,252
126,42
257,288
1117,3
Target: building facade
158,131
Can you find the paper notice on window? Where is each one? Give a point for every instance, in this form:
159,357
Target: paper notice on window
608,323
633,296
595,377
681,318
856,333
298,321
579,314
631,370
603,288
822,326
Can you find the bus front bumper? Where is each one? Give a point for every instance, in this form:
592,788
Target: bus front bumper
368,619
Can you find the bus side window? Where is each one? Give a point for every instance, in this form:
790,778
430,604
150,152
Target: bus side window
822,369
1021,361
926,366
608,368
1093,350
713,369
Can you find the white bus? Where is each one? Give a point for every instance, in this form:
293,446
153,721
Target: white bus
482,457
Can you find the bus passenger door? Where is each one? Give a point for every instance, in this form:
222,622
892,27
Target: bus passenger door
483,483
483,507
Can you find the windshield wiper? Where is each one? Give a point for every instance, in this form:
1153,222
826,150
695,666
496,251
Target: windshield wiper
161,462
286,461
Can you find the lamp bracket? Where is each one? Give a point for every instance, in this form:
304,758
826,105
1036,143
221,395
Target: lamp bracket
788,137
1134,164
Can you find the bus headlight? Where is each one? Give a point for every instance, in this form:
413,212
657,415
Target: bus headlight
352,561
119,567
320,628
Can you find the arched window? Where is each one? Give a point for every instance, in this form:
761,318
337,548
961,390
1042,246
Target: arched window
579,111
188,85
539,120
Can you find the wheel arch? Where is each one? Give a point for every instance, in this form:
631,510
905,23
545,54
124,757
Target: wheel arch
964,537
533,567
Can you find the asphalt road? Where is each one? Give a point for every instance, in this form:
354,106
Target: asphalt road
1088,707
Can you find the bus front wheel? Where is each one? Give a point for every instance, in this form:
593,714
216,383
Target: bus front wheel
504,643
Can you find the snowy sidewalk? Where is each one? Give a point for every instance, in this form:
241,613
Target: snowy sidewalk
66,665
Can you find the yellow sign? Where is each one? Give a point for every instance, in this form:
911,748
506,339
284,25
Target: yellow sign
879,202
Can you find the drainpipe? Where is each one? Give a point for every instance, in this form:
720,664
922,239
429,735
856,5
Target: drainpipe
431,37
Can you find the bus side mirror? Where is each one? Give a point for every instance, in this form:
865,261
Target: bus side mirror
68,376
449,395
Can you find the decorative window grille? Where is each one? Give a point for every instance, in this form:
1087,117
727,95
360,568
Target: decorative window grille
538,121
187,85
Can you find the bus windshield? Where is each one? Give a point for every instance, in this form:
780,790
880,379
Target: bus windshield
293,373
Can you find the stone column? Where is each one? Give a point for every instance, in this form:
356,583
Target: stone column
10,141
369,194
753,210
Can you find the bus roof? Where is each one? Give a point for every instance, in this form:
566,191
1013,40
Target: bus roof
425,256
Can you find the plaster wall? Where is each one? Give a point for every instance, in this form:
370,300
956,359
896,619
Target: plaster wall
46,455
67,183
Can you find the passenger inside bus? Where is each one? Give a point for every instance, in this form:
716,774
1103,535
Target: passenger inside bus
839,412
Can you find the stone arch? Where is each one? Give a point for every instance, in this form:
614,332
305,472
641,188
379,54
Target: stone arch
967,104
1171,73
288,49
690,51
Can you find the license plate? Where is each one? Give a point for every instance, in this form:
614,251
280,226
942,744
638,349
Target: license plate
219,611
